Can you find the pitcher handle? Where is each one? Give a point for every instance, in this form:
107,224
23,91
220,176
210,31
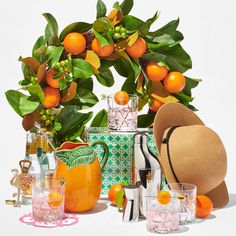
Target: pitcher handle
106,152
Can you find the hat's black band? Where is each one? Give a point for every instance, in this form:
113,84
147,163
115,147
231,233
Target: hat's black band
166,141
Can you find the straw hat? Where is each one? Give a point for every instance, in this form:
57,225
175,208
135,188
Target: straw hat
196,153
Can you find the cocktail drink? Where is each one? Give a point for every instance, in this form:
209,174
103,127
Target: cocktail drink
123,117
162,218
186,193
48,201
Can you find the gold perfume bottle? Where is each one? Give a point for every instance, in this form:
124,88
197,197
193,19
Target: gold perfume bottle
22,181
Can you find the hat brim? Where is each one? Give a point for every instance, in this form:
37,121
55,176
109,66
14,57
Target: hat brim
172,114
219,195
176,114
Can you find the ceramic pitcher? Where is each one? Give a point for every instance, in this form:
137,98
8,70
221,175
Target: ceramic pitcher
78,165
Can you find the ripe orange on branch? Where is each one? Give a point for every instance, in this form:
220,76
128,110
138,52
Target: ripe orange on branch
51,97
156,104
174,82
54,83
102,51
137,49
155,72
74,43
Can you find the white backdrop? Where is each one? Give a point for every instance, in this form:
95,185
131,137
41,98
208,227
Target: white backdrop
210,37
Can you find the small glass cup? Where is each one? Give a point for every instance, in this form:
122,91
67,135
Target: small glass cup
162,218
48,200
186,193
123,117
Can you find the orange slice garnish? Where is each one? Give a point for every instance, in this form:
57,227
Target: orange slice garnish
164,197
54,199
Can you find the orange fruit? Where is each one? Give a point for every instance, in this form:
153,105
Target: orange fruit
164,197
54,199
54,83
115,188
137,49
74,43
51,97
204,206
121,98
174,82
155,72
102,51
156,105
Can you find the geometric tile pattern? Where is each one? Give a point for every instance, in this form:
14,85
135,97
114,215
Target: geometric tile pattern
119,164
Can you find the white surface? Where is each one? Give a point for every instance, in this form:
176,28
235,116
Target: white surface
106,220
210,36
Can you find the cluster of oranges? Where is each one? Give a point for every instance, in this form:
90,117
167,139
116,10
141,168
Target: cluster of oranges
75,43
174,81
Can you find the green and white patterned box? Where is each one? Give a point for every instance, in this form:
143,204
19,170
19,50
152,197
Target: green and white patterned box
121,146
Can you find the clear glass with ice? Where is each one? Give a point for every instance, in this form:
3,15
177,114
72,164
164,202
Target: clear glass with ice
48,200
186,193
123,117
162,218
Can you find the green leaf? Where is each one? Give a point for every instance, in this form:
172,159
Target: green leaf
126,6
102,40
146,120
105,77
62,84
79,27
23,82
122,67
170,29
100,120
27,106
116,5
175,57
190,84
85,83
102,25
54,53
151,20
72,122
82,155
101,9
129,85
87,97
164,39
183,97
36,92
39,49
120,198
51,31
133,24
14,97
81,68
83,99
192,108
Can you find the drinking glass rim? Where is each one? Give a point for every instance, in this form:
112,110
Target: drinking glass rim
130,95
172,200
39,182
194,187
